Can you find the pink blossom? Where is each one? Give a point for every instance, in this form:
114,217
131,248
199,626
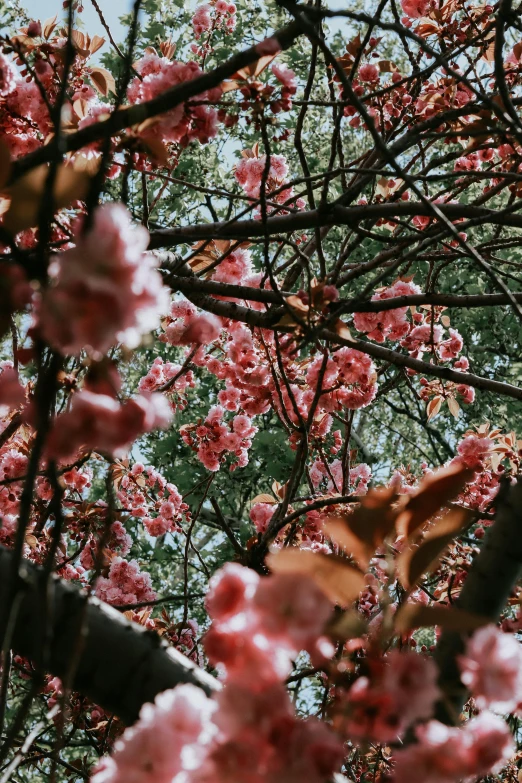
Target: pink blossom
230,590
293,607
450,349
103,290
285,75
473,450
368,73
125,584
99,422
170,736
201,21
491,668
261,514
415,8
204,328
445,754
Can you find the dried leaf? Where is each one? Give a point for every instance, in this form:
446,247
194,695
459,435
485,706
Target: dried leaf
157,150
449,618
386,66
454,407
341,582
26,195
360,533
79,41
96,43
102,80
49,25
433,407
343,331
254,69
278,489
263,498
348,625
296,303
416,560
433,493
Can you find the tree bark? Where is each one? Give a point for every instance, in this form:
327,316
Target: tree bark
486,590
119,664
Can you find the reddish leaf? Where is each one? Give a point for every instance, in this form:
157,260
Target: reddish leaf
27,192
416,560
102,80
96,43
341,582
434,492
449,618
363,531
434,406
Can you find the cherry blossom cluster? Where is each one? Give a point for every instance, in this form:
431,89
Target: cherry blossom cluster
104,290
253,170
213,440
249,732
125,583
184,123
215,15
146,494
100,422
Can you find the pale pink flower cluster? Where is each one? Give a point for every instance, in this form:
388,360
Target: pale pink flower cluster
235,268
25,120
332,476
101,423
473,450
368,73
388,324
161,372
415,8
187,326
445,754
12,393
401,690
118,542
184,123
147,495
491,668
249,173
288,80
13,463
220,14
249,733
212,440
261,514
169,739
125,584
352,376
103,290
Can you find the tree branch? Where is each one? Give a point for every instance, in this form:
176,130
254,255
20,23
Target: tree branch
121,665
486,590
330,216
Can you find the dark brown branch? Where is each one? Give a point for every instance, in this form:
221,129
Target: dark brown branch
121,666
333,216
486,590
443,300
444,373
